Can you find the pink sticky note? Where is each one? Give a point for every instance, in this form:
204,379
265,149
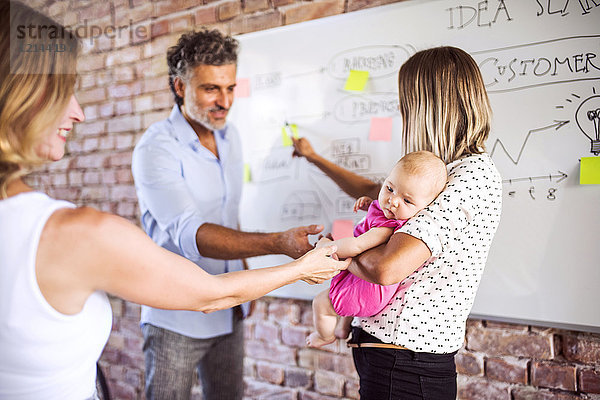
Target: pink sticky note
381,129
342,228
242,87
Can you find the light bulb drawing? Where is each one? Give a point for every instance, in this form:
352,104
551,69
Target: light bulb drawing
587,117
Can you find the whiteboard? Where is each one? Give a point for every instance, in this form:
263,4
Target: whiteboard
541,64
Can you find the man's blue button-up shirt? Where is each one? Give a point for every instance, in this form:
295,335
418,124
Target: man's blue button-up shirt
180,186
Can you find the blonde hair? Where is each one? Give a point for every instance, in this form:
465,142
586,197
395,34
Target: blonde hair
35,86
443,103
427,166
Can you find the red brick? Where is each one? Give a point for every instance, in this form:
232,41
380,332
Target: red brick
583,348
143,103
256,22
58,8
229,9
307,11
269,372
133,15
90,128
163,99
351,389
91,96
206,15
109,177
123,56
284,312
251,6
589,381
507,370
123,193
159,28
500,342
124,124
91,178
95,11
249,368
94,192
123,107
87,81
90,112
155,85
279,3
553,375
59,179
340,364
106,109
468,363
354,5
90,161
329,383
160,45
308,395
75,178
270,352
119,159
529,393
171,6
90,144
152,117
123,74
181,23
475,388
106,143
267,332
125,90
298,377
294,335
262,390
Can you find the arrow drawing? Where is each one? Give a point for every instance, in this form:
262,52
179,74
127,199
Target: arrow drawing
558,178
556,125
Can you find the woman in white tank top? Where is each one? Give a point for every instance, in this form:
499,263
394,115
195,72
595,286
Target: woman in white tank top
57,262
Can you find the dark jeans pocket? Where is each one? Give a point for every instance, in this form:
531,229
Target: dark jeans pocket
438,388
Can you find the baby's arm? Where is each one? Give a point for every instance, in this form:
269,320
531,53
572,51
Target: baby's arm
353,246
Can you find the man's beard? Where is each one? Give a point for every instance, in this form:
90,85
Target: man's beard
201,117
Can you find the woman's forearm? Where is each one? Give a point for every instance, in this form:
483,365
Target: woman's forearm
391,263
353,184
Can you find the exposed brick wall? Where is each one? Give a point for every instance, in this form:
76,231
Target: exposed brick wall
123,89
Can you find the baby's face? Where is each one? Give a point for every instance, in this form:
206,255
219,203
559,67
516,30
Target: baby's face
403,195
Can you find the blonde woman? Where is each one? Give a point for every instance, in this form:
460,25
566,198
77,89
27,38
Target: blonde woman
57,262
407,350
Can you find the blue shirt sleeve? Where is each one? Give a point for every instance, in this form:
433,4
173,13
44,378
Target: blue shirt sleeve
162,190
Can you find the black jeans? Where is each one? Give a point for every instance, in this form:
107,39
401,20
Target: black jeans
389,374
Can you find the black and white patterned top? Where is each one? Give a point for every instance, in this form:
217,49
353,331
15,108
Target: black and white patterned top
458,227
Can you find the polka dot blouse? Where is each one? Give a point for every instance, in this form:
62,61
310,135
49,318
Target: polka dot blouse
458,227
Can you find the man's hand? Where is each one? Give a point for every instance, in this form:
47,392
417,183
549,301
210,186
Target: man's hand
294,242
362,203
303,148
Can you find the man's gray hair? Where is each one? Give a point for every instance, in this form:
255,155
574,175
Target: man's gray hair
205,47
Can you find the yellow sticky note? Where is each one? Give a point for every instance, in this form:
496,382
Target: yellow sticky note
589,172
356,80
285,138
294,129
247,175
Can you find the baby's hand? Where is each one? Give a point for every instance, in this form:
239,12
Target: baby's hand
362,203
323,242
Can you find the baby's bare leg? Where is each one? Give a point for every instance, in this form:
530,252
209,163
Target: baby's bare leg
343,327
325,320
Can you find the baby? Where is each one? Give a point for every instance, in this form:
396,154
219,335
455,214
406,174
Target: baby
414,182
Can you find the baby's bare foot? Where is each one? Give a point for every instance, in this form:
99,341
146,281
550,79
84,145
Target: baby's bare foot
315,340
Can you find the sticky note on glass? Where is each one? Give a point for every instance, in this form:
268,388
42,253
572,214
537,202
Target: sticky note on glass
247,175
589,172
285,134
242,88
342,228
381,129
356,80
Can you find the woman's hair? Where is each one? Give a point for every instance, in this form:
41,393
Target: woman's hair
205,47
443,103
37,78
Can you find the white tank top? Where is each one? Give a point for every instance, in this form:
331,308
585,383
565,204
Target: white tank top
43,354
